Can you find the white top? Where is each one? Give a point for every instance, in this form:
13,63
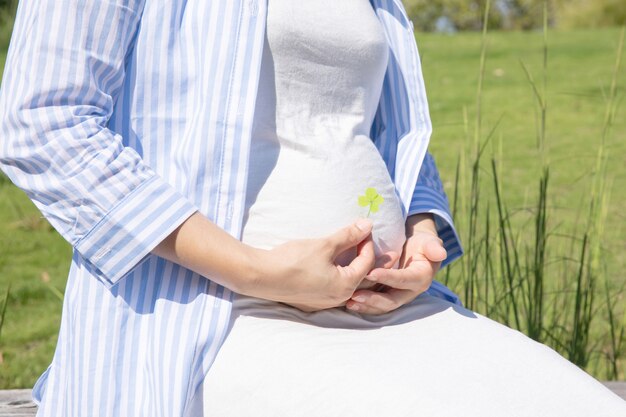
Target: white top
311,155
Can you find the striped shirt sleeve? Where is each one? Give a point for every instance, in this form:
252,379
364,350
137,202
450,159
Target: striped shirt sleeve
64,70
430,197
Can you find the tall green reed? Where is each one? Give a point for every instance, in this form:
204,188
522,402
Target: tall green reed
533,286
544,283
3,309
617,329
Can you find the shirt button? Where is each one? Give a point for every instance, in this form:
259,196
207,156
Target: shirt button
229,211
100,253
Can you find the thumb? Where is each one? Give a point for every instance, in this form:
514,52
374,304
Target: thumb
362,264
350,236
434,251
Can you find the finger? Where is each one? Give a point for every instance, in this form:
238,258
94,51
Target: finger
434,251
350,236
361,265
370,302
413,278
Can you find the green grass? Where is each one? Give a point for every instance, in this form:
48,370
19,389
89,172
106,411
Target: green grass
578,79
33,257
579,76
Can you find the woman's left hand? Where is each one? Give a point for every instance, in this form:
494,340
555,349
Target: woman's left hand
421,258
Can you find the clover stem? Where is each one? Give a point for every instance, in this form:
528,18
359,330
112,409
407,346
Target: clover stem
369,211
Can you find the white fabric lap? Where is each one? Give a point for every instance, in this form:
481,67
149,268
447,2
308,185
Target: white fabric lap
431,358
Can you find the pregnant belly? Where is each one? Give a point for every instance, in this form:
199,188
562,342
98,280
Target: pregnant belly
294,193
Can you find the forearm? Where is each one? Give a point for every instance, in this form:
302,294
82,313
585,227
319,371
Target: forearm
298,272
201,246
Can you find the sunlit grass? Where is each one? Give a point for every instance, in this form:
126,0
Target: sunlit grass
531,263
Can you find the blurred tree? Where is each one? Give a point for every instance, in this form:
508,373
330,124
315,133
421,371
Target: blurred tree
462,14
590,13
428,15
522,14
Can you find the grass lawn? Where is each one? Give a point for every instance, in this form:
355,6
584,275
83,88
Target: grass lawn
33,257
579,74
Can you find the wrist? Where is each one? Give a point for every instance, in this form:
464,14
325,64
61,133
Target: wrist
421,222
253,267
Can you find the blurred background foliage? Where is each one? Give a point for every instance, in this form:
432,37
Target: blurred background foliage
459,15
7,13
462,15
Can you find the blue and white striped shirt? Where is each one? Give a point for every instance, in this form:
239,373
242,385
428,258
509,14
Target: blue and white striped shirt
120,119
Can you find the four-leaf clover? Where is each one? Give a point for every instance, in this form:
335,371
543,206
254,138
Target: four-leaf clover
371,199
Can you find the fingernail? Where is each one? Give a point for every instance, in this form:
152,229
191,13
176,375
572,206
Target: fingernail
360,298
364,224
371,277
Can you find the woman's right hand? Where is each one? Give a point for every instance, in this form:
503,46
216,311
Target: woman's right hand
304,273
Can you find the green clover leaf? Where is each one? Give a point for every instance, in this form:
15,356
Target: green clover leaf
371,199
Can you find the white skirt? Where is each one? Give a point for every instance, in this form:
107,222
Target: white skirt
429,358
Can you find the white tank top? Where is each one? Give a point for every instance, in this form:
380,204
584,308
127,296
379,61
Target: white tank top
311,155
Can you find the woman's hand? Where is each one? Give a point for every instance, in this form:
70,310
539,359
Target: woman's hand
304,273
301,272
420,260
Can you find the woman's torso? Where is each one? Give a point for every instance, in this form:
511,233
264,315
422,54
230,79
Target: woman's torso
311,155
